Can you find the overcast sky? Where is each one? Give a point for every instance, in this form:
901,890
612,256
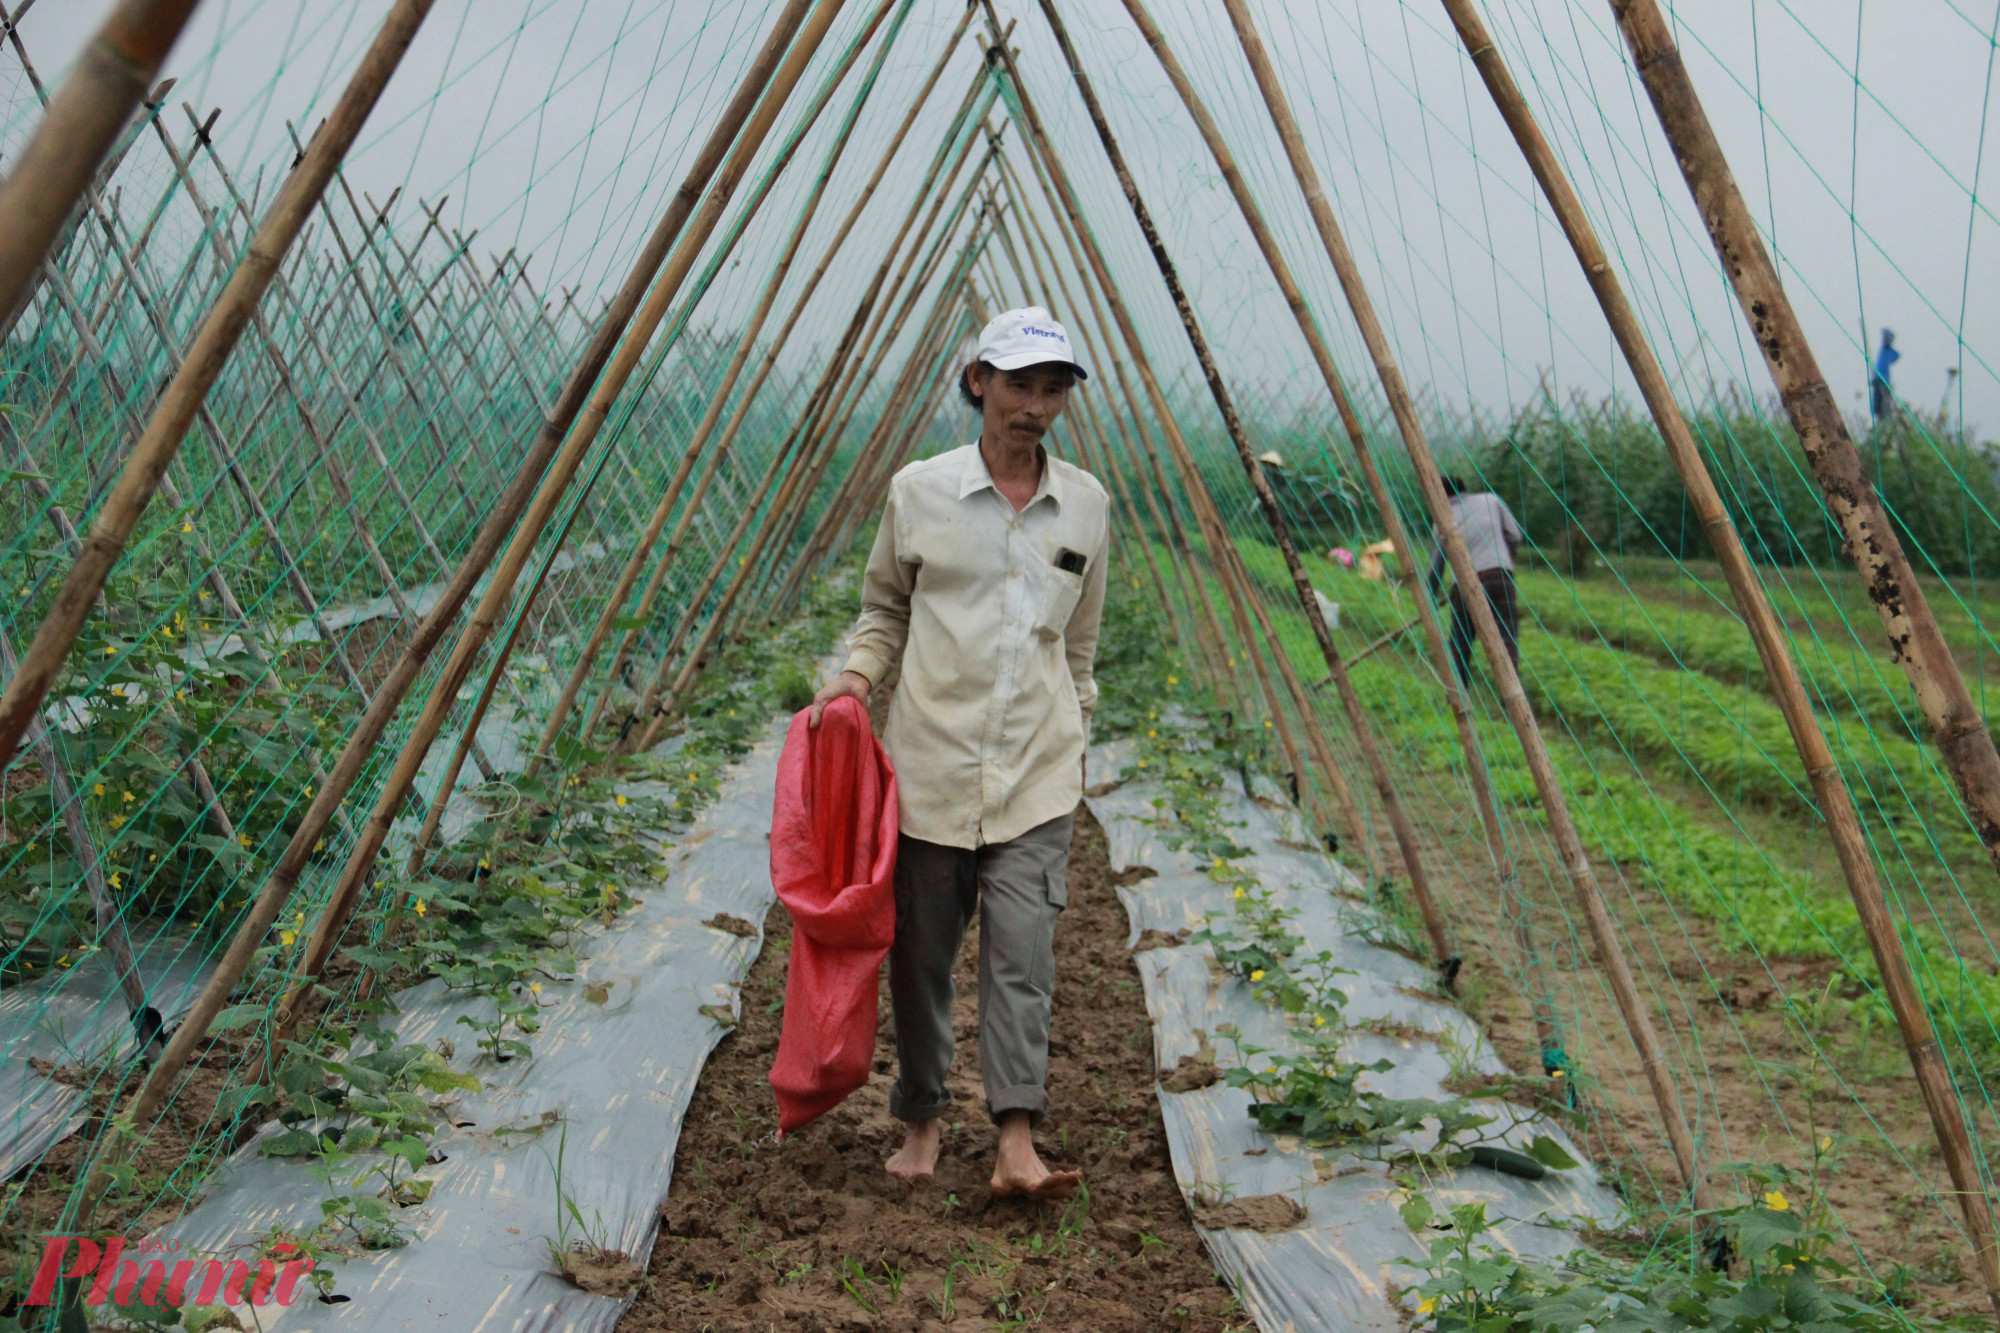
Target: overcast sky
559,127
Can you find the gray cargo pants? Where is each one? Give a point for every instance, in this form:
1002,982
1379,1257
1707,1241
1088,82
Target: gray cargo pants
1019,887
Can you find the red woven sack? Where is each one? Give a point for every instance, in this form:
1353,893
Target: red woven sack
833,856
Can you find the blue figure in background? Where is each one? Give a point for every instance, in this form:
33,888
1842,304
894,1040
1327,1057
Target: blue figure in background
1881,401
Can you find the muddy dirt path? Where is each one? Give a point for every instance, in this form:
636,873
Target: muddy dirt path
816,1236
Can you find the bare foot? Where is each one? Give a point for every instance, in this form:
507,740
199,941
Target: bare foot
919,1153
1019,1169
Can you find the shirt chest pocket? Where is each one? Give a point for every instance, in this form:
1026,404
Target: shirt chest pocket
1053,594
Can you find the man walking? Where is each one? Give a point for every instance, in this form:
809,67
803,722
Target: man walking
1491,534
986,583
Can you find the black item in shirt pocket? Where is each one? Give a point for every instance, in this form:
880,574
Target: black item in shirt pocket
1054,599
1070,562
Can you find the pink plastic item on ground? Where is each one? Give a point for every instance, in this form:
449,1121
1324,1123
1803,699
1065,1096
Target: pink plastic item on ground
833,862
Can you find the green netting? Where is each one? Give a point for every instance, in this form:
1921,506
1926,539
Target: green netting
425,323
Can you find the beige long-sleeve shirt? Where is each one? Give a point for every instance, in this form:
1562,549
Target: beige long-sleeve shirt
988,726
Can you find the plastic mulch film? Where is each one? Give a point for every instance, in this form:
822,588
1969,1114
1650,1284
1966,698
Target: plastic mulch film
1327,1272
62,1030
615,1062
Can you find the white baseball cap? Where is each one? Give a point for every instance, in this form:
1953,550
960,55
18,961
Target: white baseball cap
1026,337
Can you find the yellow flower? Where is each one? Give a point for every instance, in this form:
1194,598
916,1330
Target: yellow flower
118,690
621,802
1151,734
1826,1143
1239,890
483,864
129,796
116,820
1776,1201
1426,1305
187,527
109,651
1142,763
204,596
287,936
243,838
309,789
320,846
154,857
63,961
117,880
1173,680
99,789
1319,1020
1256,974
1267,721
535,986
423,909
1557,1074
181,695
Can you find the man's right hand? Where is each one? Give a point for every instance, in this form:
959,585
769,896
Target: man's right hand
847,685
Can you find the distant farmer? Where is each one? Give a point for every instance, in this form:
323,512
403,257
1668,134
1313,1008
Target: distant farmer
1491,534
1881,398
986,583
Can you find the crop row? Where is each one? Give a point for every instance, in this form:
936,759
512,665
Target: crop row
1846,679
1626,716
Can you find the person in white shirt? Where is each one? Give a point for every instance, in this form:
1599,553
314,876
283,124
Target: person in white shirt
986,584
1491,536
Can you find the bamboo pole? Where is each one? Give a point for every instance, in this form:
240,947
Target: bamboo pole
835,378
227,456
204,362
858,389
1475,761
146,1020
862,499
1095,427
1477,773
351,403
1576,861
81,123
1871,543
448,781
876,450
843,371
1364,735
388,696
1836,802
662,705
1207,627
499,591
863,383
1062,201
798,309
719,401
1278,720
